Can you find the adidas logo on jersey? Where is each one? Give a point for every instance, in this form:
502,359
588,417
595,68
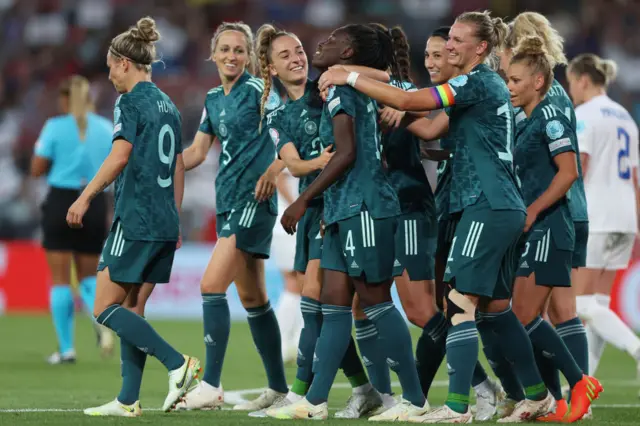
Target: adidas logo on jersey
300,356
315,358
304,112
223,113
448,270
396,263
226,227
354,265
319,236
524,264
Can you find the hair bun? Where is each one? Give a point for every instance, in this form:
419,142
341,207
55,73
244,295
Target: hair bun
145,30
531,45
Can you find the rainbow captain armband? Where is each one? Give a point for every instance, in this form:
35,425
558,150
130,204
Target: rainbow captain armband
444,95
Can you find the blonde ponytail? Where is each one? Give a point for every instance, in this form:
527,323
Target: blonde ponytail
76,88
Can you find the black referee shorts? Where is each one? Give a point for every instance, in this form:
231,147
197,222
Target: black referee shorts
59,236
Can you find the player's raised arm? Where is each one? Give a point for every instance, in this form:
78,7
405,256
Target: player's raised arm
420,100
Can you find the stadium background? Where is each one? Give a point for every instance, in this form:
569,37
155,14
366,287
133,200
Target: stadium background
43,41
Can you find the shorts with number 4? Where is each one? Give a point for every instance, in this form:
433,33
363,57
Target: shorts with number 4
308,237
543,257
416,238
252,225
136,262
361,247
485,250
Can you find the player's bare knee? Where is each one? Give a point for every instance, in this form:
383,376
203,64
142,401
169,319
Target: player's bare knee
460,308
525,312
252,299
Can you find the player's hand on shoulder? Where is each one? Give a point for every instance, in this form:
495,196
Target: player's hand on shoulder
390,118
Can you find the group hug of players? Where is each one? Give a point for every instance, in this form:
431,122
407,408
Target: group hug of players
507,224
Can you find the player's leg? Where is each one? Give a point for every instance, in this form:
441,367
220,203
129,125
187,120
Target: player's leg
417,242
287,309
250,283
549,266
61,305
128,263
132,362
600,317
86,266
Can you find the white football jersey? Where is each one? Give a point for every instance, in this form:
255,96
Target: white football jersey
608,133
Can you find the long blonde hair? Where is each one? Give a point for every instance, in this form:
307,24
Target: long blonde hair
529,24
76,89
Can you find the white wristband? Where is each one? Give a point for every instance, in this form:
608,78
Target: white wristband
353,77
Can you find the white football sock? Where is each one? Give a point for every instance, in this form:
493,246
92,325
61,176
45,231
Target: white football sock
289,318
596,348
610,327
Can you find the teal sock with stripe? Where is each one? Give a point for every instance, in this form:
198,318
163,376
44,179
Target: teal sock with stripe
545,339
373,355
138,332
266,336
516,347
430,350
217,327
462,356
549,374
132,362
396,343
330,349
312,317
502,368
574,336
352,367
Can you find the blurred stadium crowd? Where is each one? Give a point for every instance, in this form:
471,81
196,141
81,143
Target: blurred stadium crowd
43,41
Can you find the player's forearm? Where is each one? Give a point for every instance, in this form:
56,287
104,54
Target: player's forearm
193,157
178,182
373,73
276,167
558,188
300,168
335,168
108,172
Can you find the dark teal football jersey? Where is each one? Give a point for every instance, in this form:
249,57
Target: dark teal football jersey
545,134
298,122
401,151
366,182
246,151
561,100
482,120
144,195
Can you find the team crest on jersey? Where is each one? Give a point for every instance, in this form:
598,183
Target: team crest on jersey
554,129
275,136
273,100
459,81
116,114
310,127
223,130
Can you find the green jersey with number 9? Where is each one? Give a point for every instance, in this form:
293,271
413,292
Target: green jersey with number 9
298,122
144,197
366,181
481,118
246,152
